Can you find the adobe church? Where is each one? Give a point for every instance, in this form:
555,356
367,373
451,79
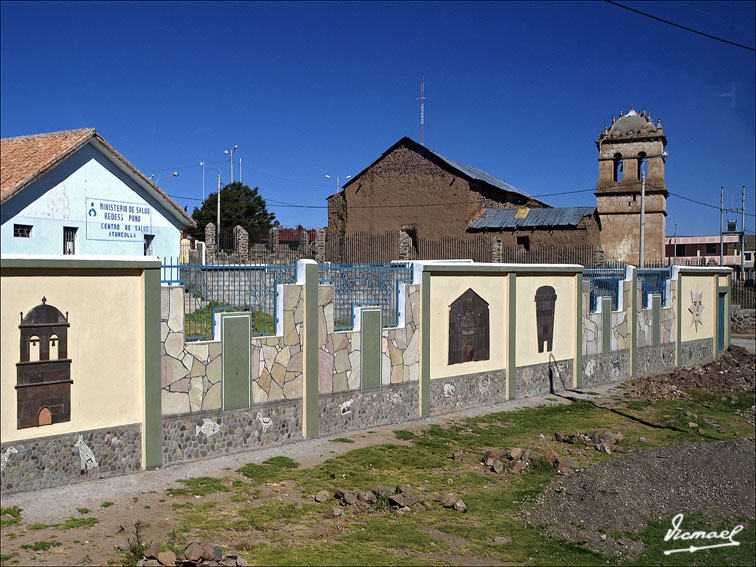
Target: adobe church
420,193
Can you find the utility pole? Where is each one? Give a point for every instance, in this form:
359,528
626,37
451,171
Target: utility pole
675,245
217,226
422,111
721,226
742,233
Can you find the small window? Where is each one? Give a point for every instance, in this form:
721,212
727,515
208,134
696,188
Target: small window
711,249
69,239
148,238
642,165
523,243
618,167
681,249
22,230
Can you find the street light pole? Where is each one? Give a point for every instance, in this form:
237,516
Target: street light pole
231,155
202,163
155,181
338,185
641,257
217,226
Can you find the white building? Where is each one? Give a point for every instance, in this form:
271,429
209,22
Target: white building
71,192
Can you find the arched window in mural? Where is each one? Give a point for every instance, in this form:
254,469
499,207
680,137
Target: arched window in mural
468,328
43,373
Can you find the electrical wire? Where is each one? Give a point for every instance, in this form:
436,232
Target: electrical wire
680,26
707,204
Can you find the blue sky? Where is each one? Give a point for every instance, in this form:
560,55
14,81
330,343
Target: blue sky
518,89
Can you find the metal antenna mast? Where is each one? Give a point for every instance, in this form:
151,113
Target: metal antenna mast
422,111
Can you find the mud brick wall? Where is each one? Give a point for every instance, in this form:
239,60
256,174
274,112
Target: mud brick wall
44,462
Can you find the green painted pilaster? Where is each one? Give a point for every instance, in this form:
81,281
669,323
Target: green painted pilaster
678,317
310,403
370,349
722,290
578,371
236,345
656,306
512,337
606,325
634,324
425,353
152,444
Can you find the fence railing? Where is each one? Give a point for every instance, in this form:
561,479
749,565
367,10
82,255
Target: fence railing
365,284
743,293
654,280
604,283
210,288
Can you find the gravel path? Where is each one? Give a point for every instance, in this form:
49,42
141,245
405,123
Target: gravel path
715,480
52,504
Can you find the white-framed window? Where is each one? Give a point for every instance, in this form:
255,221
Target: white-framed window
22,231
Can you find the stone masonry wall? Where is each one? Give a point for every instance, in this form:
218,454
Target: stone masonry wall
696,352
743,321
448,395
338,352
605,368
655,359
536,380
44,462
400,357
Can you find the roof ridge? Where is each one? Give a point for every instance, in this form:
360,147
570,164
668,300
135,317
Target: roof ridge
52,134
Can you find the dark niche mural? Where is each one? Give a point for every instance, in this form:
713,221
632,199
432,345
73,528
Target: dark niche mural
545,299
43,385
468,328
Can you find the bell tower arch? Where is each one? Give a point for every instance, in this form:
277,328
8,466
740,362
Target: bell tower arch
624,149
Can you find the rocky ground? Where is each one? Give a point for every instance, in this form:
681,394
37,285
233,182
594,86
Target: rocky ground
598,506
735,371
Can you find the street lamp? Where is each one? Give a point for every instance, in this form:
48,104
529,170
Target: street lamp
662,155
231,155
155,181
338,185
217,226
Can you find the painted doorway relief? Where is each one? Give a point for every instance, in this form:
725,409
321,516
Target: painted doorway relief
545,300
468,328
696,309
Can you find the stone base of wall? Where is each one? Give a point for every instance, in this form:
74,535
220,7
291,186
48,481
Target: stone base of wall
538,379
448,395
215,433
743,321
368,408
696,352
655,359
44,462
605,368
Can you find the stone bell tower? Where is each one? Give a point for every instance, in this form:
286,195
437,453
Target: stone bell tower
624,149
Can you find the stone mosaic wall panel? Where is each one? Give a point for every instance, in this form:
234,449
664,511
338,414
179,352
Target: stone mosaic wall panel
696,352
348,411
536,379
592,333
605,368
448,395
620,328
400,356
645,328
211,434
338,352
44,462
277,372
655,359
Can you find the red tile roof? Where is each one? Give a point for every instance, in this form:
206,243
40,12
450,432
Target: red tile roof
24,159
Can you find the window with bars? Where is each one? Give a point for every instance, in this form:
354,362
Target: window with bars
22,230
148,239
69,239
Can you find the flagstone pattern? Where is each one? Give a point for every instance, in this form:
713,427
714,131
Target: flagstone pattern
400,347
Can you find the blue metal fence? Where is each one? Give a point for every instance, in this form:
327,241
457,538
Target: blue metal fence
225,286
654,280
604,283
365,284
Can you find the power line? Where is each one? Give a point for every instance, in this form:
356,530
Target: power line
706,204
680,26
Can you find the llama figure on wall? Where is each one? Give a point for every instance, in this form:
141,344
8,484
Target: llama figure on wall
86,455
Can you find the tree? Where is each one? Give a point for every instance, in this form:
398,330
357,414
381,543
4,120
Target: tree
239,205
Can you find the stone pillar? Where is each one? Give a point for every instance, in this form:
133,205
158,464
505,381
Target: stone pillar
405,243
241,242
598,256
273,238
496,249
320,245
304,242
210,239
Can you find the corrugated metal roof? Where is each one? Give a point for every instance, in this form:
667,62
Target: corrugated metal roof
476,173
507,218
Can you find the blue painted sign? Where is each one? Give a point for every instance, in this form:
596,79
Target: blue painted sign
118,220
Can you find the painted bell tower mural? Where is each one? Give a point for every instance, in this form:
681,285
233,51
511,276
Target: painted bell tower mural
43,374
468,328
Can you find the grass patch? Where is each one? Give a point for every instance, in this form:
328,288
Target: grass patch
41,545
15,516
83,510
69,524
7,558
106,504
404,435
342,440
270,470
198,486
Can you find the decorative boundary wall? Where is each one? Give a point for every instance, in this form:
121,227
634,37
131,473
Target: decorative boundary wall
539,379
460,392
696,352
605,368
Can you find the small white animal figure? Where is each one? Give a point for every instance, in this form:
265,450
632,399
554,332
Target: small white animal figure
449,390
5,456
265,422
346,407
86,455
396,398
484,386
208,427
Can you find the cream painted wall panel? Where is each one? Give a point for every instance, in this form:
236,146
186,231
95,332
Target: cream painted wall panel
563,345
446,289
105,345
705,286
